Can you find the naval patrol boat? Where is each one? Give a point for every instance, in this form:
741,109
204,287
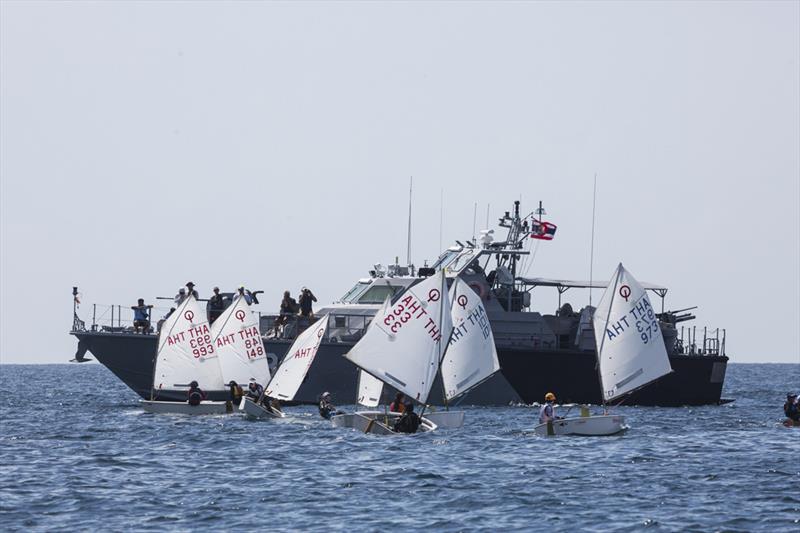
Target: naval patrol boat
538,352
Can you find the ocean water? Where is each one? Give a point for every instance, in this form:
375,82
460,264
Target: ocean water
76,452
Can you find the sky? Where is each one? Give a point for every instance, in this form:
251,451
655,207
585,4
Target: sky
144,144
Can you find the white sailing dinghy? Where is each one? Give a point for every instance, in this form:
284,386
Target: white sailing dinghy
403,348
471,356
186,353
289,376
241,352
630,354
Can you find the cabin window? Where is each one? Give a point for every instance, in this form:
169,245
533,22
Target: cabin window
353,293
377,294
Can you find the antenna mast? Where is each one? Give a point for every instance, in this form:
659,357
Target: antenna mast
591,253
408,247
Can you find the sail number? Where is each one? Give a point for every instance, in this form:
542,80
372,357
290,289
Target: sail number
254,348
201,346
647,326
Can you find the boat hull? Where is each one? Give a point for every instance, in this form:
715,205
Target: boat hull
572,377
376,422
255,411
526,375
585,426
205,407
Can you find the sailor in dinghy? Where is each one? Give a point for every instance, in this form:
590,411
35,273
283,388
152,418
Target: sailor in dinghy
630,355
186,356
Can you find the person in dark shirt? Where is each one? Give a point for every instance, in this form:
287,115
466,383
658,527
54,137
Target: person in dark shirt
326,407
216,305
195,394
791,409
288,304
410,421
236,392
141,316
397,406
254,390
306,299
190,290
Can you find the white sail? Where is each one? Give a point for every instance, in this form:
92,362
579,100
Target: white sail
369,390
471,356
237,341
186,352
630,348
406,342
289,376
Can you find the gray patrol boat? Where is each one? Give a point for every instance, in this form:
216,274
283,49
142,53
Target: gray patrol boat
538,353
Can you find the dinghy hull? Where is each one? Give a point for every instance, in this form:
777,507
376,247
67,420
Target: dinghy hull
258,412
205,407
376,422
585,426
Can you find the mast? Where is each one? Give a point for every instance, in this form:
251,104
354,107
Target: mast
408,247
599,348
591,253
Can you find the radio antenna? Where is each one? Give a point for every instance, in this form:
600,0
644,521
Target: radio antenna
591,248
408,247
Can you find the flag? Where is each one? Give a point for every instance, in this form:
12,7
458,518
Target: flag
542,230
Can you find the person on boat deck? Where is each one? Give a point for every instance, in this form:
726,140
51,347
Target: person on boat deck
791,408
244,293
180,297
254,390
548,410
306,298
409,422
236,391
326,407
288,304
141,316
216,305
190,290
195,394
398,405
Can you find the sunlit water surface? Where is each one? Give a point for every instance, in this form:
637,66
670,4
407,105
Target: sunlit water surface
76,451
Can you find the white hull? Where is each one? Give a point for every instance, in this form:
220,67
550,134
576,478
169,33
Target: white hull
183,408
376,422
447,419
253,410
587,426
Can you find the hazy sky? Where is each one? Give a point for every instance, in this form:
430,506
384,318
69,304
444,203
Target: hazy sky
271,144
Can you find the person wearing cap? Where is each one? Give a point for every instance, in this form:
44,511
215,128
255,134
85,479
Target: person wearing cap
180,297
548,411
195,394
410,421
141,316
254,390
791,408
190,290
306,299
326,407
216,305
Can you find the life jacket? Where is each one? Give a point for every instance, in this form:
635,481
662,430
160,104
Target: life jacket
396,407
544,414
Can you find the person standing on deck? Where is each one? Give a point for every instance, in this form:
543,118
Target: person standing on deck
190,290
216,306
548,410
306,298
180,297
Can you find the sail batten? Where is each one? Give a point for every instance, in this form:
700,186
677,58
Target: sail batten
631,351
237,339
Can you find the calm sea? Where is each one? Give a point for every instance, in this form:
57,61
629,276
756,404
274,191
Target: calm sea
76,452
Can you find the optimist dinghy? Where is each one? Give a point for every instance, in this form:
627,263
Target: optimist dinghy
289,376
186,353
630,354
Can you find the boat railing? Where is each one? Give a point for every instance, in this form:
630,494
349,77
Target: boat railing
108,318
712,341
342,327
